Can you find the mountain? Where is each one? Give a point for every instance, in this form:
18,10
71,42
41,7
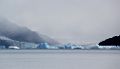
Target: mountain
23,34
4,41
114,41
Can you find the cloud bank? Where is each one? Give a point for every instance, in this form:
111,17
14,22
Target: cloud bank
77,21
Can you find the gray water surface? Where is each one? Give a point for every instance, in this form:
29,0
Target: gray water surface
59,59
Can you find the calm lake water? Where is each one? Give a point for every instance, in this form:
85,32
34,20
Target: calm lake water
59,59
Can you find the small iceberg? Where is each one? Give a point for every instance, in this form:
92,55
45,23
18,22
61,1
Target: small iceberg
14,47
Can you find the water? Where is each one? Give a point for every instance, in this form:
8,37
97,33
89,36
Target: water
59,59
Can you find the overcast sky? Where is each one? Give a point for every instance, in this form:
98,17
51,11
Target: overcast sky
77,21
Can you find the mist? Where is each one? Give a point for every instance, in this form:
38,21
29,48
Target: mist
76,21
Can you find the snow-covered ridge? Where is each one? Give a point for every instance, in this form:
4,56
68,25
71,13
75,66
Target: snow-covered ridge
5,38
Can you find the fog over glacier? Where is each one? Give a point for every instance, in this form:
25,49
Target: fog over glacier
76,21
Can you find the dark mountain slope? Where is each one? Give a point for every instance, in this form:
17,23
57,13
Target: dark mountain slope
111,41
23,34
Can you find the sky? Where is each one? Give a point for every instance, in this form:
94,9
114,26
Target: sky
75,21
